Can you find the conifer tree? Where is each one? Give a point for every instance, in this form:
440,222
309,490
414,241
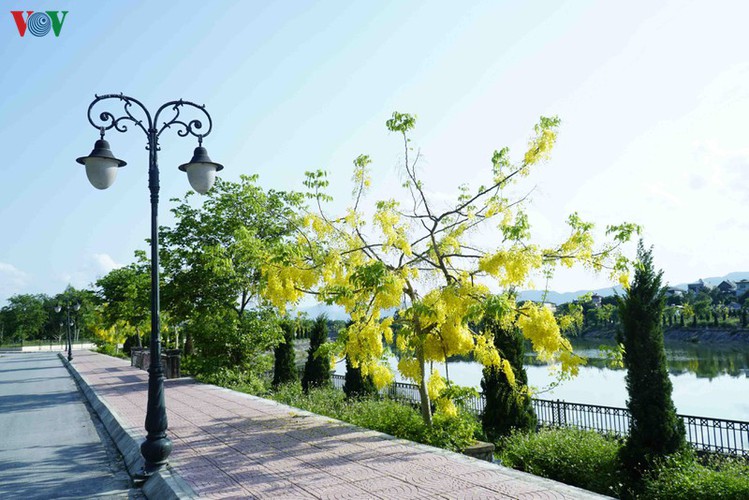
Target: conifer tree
285,363
656,430
508,404
317,369
357,385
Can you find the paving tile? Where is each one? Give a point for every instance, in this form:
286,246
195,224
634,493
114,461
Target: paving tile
232,445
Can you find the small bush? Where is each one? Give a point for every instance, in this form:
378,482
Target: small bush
682,476
384,415
284,368
239,380
581,458
317,368
111,350
356,385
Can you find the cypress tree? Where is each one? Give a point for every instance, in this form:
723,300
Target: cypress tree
317,368
356,385
506,407
284,369
655,429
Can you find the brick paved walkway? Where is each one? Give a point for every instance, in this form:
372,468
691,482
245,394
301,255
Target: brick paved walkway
231,445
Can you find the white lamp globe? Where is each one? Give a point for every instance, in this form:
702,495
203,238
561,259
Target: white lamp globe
101,165
201,171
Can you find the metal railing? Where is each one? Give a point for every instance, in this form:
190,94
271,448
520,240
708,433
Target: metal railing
705,434
602,419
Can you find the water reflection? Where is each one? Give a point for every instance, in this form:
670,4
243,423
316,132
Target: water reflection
709,381
704,361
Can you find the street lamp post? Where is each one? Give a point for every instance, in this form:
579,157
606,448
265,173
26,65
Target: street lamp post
58,308
101,170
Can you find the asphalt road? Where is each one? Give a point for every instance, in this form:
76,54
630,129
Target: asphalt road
51,445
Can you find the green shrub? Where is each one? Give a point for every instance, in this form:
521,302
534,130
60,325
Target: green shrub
317,368
581,458
237,379
453,433
111,350
356,385
507,408
656,429
383,415
284,369
682,476
323,401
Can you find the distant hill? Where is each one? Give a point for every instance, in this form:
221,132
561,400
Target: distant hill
735,276
337,312
562,297
332,312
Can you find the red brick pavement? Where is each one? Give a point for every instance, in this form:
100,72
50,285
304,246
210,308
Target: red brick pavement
232,445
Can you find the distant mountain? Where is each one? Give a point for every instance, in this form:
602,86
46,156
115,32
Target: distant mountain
562,297
337,312
735,276
332,312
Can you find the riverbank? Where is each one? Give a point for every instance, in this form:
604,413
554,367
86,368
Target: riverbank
701,335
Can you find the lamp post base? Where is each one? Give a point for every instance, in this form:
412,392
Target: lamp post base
155,452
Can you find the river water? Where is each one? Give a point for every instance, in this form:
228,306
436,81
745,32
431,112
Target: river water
708,381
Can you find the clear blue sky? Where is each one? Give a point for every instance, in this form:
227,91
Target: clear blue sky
653,97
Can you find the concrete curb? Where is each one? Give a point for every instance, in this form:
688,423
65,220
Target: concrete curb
165,484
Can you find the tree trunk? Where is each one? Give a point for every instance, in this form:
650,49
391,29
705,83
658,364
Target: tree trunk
426,407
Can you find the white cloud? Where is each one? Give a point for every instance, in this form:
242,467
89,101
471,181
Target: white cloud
12,280
660,193
104,263
93,267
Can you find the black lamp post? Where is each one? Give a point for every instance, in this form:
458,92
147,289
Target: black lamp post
101,169
58,308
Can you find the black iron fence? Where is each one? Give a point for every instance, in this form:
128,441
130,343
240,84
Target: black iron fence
705,434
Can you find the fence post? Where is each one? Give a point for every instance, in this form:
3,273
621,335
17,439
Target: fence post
561,414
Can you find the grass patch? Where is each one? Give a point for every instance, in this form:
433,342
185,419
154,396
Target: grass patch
111,350
684,477
580,458
384,415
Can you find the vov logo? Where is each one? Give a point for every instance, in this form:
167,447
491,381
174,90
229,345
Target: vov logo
39,23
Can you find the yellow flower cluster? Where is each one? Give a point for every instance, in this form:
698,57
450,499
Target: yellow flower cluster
436,385
381,375
539,148
512,267
446,407
579,246
509,373
389,221
540,327
410,368
624,280
446,312
485,352
283,283
435,389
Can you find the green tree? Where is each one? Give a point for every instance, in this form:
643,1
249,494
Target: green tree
284,369
211,259
426,260
125,295
356,385
655,429
26,315
508,401
85,320
701,304
317,368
